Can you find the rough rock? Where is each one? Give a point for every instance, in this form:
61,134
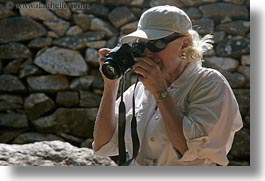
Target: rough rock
83,21
67,98
31,137
13,120
68,120
48,83
58,26
79,41
63,11
235,27
100,25
10,102
13,50
82,83
37,104
37,10
62,61
53,153
40,43
10,83
225,64
89,100
233,47
204,26
220,10
20,28
120,16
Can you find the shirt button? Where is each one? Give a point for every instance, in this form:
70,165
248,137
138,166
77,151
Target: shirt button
157,117
152,139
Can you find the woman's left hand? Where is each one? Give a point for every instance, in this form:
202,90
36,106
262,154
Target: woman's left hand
150,74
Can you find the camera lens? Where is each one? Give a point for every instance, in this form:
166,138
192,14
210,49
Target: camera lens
111,70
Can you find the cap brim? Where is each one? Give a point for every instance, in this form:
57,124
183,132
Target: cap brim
149,34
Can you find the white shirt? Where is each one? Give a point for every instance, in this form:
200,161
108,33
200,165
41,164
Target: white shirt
211,118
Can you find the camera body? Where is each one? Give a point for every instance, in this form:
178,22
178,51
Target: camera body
120,59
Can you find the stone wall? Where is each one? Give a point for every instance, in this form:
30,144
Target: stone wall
50,87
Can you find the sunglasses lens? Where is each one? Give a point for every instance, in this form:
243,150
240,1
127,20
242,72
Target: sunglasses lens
156,45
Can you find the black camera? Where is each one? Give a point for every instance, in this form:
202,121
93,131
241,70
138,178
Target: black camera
120,59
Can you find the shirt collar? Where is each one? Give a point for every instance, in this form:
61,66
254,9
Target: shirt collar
187,74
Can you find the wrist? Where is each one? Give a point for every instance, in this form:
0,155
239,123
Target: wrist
161,95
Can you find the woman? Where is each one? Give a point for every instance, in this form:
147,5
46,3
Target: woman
186,114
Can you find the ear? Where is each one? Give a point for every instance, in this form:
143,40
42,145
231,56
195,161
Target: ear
186,43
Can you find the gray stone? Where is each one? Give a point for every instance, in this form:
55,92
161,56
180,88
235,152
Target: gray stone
37,10
204,26
38,104
225,64
243,99
120,16
177,3
233,47
29,70
13,51
235,27
240,2
52,34
71,139
92,57
218,36
13,120
31,137
13,66
10,102
67,98
74,30
87,143
7,135
245,60
235,79
128,28
10,83
97,10
100,25
59,26
241,146
245,70
5,13
83,21
82,83
79,41
62,61
96,44
138,3
60,8
48,83
89,100
193,13
40,43
50,153
221,10
20,28
46,124
68,120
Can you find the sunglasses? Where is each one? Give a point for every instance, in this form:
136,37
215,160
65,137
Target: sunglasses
157,45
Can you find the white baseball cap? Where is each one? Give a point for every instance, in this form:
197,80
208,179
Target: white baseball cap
159,22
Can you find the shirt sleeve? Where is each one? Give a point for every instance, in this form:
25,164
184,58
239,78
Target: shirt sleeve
210,123
111,147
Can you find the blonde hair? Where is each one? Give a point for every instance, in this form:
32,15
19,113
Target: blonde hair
199,46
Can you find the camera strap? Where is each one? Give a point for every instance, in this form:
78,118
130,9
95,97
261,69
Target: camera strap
121,129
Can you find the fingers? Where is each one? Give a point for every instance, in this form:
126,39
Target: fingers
103,52
145,67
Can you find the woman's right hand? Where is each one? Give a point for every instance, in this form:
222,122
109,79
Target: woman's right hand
102,54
